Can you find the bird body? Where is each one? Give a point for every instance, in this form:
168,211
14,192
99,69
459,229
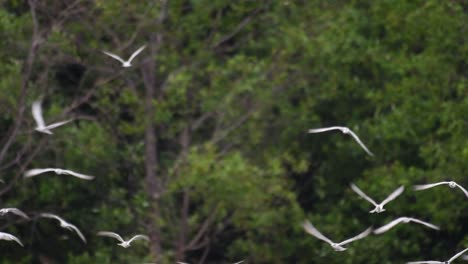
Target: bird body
15,211
10,237
404,220
64,224
127,63
309,228
451,184
441,262
41,126
124,243
378,207
34,172
344,130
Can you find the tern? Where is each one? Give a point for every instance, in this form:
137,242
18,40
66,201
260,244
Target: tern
124,243
34,172
451,184
344,130
64,224
127,63
404,220
309,228
378,207
41,126
15,211
441,262
10,237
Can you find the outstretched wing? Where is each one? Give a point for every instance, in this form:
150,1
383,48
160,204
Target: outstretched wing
309,228
37,113
79,175
110,234
325,129
54,125
114,56
77,232
34,172
427,186
458,254
425,262
138,237
6,236
393,195
356,138
362,194
463,189
15,211
388,226
360,236
425,223
136,53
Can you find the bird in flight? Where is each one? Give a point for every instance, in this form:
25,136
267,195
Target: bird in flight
309,228
127,63
451,184
344,130
378,207
124,243
179,262
404,220
441,262
15,211
41,126
64,224
10,237
34,172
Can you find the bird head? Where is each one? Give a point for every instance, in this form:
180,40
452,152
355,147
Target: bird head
126,64
337,247
58,171
452,184
124,244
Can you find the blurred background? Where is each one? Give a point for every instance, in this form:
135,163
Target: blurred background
203,144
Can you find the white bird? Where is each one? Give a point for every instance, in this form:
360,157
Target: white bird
127,63
124,243
344,130
441,262
451,184
404,220
64,224
309,228
15,211
41,126
378,207
34,172
10,237
179,262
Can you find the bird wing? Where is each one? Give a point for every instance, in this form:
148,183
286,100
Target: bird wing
356,138
138,237
48,215
427,186
34,172
425,223
393,195
309,228
110,234
136,53
114,56
79,175
54,125
388,226
6,236
463,189
77,231
16,211
325,129
362,194
37,113
239,262
458,254
425,262
360,236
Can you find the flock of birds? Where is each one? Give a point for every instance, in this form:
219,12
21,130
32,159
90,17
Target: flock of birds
309,228
379,207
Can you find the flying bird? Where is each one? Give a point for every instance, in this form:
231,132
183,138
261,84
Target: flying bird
127,63
309,228
10,237
344,130
179,262
15,211
404,220
124,243
441,262
41,126
451,184
34,172
64,224
378,207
